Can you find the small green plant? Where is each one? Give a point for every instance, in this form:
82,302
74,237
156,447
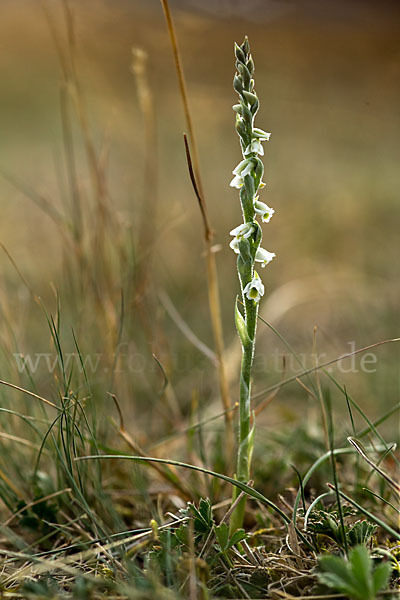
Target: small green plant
327,523
246,244
355,577
203,522
226,541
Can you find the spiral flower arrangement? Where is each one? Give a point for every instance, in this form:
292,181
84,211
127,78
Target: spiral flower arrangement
246,243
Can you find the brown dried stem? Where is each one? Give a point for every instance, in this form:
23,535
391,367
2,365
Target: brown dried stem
212,278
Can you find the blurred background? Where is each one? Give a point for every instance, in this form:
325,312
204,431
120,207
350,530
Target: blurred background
327,75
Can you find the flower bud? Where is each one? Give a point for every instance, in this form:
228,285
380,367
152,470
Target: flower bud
246,46
237,84
245,75
240,55
251,98
250,65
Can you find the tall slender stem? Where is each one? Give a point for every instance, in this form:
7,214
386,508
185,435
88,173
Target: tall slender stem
246,243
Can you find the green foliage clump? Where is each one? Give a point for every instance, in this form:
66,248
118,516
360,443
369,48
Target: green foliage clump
327,523
356,576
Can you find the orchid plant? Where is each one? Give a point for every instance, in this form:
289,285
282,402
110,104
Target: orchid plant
246,243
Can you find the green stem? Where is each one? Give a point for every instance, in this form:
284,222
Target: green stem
248,178
245,440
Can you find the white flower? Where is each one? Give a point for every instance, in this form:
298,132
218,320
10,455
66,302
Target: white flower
255,146
261,135
237,182
264,257
243,168
254,289
235,245
265,211
244,230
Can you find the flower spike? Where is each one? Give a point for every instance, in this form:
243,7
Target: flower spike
246,244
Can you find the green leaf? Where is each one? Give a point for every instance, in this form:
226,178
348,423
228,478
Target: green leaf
381,577
251,438
337,566
361,532
339,585
222,535
356,577
242,130
244,249
246,114
249,186
257,235
245,450
203,521
361,569
258,172
254,107
241,326
205,509
181,533
237,537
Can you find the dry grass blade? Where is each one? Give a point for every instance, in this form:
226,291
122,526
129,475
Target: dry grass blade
203,209
32,394
182,88
212,277
362,452
184,327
